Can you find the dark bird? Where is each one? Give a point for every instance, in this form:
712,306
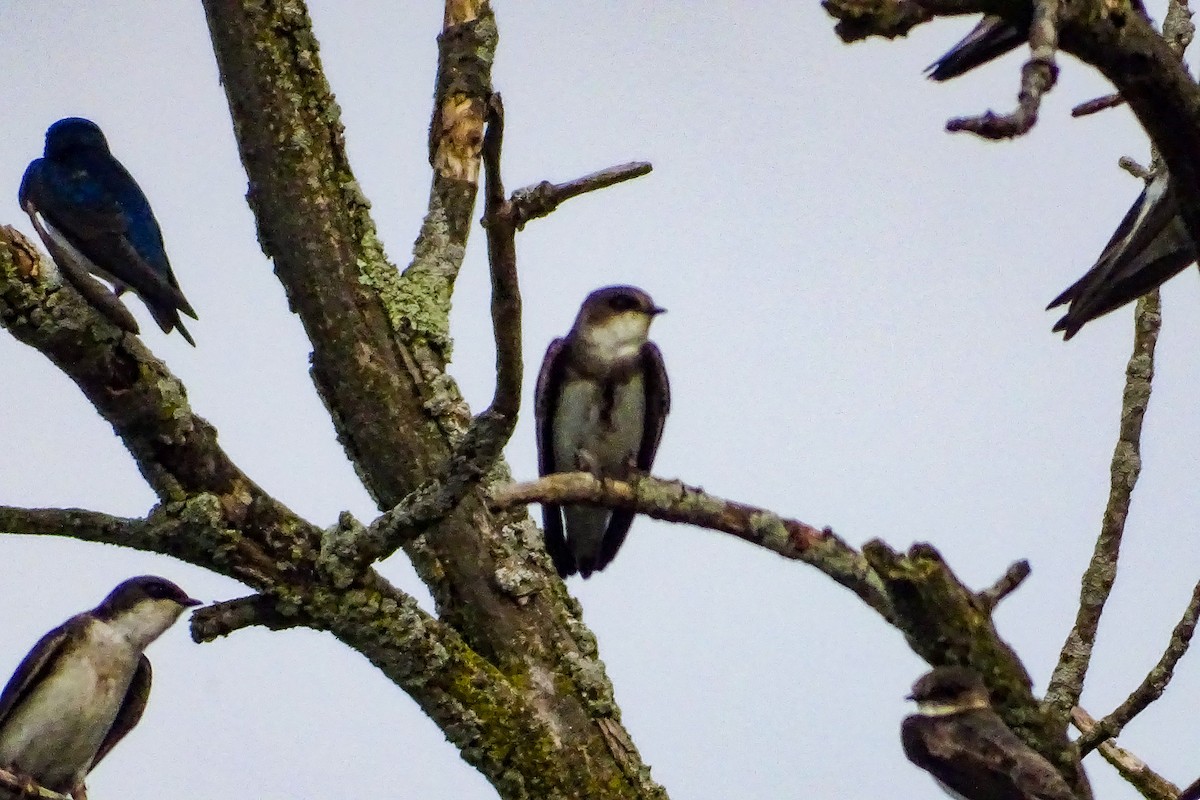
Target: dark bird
1190,793
957,738
94,219
990,39
84,685
1150,246
602,398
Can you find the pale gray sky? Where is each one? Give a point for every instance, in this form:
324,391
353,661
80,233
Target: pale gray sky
855,338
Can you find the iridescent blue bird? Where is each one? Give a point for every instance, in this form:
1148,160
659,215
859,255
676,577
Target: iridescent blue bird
94,218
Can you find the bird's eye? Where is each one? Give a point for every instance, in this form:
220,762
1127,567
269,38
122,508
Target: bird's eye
623,302
158,591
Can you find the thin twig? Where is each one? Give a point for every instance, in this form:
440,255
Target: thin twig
1066,684
222,619
1153,685
1013,577
1135,169
675,502
1098,104
1038,76
1136,773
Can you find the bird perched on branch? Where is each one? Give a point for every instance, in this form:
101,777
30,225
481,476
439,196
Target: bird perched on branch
601,400
1149,247
961,741
94,219
84,685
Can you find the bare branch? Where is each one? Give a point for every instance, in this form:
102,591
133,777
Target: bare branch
1135,169
1153,685
1038,76
674,502
1097,104
1066,684
1146,781
1012,578
221,619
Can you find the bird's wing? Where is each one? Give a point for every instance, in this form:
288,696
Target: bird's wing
658,403
549,385
81,209
958,758
32,668
991,38
1150,246
131,709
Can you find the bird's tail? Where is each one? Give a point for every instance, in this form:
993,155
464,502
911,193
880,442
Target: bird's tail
586,527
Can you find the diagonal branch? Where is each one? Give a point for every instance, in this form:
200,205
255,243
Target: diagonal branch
1146,781
1066,684
1009,582
1153,685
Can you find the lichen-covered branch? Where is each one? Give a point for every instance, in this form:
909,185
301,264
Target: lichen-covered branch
221,619
1146,781
946,624
675,502
1153,685
1066,683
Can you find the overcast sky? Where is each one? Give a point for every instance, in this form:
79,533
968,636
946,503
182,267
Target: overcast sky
855,338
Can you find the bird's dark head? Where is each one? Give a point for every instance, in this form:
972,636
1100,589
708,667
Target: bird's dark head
948,690
143,607
615,321
74,134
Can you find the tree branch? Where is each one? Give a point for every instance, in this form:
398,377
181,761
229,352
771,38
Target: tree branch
1066,683
1038,76
1152,686
1008,583
674,502
1146,781
221,619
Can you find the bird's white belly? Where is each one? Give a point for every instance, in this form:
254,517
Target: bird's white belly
586,438
53,735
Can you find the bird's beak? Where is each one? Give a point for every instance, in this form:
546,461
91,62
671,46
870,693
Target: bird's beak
656,310
191,602
910,697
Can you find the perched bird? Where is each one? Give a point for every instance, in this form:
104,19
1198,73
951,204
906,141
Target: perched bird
991,38
957,738
84,685
1150,246
602,398
93,218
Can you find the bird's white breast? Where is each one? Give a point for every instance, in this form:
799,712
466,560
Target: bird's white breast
55,732
583,433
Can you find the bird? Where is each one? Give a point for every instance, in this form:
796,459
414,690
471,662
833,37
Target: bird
94,219
84,685
1150,246
601,400
961,741
991,38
